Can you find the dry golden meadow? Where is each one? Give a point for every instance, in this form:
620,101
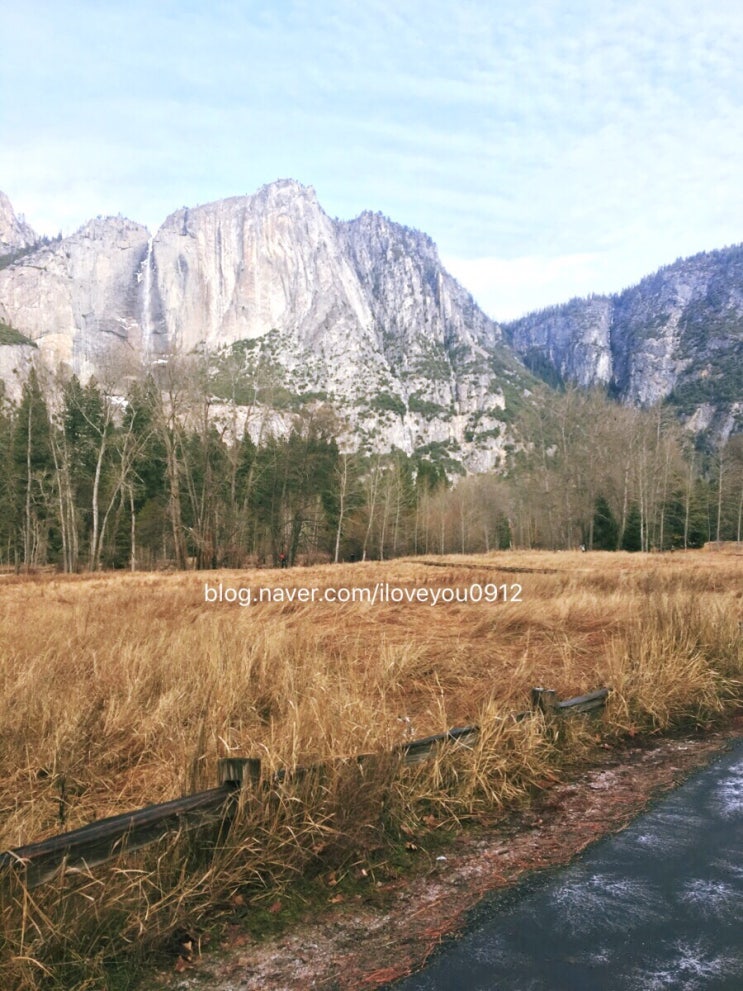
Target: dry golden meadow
121,690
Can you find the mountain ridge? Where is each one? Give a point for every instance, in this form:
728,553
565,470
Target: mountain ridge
363,314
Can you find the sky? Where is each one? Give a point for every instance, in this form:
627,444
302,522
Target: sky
551,148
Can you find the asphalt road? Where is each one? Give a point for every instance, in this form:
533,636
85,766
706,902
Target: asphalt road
658,907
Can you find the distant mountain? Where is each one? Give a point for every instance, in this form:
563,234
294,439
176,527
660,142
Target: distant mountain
294,307
675,336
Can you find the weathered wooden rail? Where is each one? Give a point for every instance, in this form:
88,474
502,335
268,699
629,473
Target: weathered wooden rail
105,839
547,701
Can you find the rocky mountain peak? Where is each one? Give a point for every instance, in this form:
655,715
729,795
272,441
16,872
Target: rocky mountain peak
108,229
376,227
284,191
15,233
287,302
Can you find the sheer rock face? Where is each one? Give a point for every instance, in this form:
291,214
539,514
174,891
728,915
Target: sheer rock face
574,339
15,363
238,269
359,313
15,234
430,331
366,291
79,299
439,349
676,335
410,290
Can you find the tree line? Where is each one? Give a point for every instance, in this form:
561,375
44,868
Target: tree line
168,476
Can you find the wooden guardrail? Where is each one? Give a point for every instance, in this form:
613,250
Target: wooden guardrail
108,838
105,839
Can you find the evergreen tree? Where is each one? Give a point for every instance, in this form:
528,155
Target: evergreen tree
632,537
147,494
503,534
605,527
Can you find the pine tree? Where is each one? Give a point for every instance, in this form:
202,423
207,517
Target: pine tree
632,537
605,527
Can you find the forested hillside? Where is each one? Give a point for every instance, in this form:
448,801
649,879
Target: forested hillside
168,478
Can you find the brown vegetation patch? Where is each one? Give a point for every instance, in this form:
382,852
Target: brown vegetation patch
121,690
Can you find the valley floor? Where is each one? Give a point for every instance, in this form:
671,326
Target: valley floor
118,691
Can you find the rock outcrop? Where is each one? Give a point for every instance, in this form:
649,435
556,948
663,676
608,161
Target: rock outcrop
79,299
15,234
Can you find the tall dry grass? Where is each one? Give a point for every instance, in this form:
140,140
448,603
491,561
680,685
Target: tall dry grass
117,691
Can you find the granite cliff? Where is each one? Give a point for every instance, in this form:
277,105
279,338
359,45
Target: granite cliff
291,305
676,336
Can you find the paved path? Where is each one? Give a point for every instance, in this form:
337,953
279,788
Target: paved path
658,907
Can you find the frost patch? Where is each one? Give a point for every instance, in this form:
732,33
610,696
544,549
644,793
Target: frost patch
689,970
669,831
591,902
711,898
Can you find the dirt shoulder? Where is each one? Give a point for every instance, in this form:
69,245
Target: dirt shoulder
353,945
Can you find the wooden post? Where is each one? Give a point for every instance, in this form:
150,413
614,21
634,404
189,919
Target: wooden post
239,771
545,699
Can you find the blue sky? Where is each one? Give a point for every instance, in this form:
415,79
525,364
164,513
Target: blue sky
551,149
